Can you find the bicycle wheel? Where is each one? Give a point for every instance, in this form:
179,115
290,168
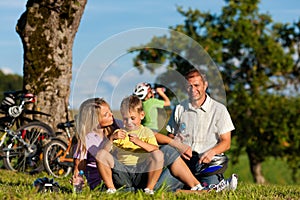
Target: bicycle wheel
27,158
53,166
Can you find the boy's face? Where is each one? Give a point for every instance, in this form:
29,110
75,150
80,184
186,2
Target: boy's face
132,119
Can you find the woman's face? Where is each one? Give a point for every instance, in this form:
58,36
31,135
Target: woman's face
105,116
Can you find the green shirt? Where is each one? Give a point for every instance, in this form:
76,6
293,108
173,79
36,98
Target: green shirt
150,107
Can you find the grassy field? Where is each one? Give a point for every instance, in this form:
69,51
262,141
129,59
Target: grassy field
20,186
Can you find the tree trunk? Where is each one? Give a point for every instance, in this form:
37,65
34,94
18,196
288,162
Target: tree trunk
255,167
47,29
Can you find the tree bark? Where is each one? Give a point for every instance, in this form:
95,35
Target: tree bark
255,167
47,29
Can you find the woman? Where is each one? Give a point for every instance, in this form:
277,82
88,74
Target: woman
94,124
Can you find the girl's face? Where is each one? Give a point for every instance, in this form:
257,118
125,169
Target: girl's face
132,120
105,116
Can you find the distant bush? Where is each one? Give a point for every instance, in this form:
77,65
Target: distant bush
10,82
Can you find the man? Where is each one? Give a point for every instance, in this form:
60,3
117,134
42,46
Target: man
205,125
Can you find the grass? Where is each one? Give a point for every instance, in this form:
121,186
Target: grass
15,185
280,186
275,171
20,186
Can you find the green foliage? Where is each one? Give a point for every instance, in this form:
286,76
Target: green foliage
9,82
259,60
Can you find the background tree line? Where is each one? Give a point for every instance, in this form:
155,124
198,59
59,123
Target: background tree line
10,82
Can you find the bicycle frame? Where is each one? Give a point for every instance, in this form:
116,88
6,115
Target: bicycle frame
19,136
63,155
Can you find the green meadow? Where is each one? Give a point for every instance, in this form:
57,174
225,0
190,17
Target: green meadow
15,185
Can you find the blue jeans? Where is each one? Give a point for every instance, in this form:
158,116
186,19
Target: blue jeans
169,180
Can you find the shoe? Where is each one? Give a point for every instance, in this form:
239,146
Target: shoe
111,190
197,187
148,191
232,182
228,184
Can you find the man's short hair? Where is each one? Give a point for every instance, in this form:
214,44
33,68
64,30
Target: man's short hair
191,73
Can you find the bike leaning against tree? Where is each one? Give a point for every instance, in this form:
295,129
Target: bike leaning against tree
22,139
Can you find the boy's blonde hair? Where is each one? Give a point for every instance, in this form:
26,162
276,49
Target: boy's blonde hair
131,104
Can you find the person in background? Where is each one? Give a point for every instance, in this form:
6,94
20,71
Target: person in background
205,125
150,104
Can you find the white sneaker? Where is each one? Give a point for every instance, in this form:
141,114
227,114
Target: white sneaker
148,191
233,182
197,187
111,190
228,184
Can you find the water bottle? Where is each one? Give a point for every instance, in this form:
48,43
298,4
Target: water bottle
79,182
182,136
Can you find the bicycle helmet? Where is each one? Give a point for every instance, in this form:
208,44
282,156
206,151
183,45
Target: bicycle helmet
141,90
218,165
46,185
8,100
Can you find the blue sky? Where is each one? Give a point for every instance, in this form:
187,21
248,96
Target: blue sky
106,18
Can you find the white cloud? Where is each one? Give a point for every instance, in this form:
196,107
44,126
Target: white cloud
112,80
7,70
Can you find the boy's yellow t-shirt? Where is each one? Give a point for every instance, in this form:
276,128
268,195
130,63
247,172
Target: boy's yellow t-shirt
130,154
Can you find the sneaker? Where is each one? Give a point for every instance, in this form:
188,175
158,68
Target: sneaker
232,182
228,184
197,187
111,190
148,191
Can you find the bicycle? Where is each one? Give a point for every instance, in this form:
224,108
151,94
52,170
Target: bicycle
21,149
13,109
58,153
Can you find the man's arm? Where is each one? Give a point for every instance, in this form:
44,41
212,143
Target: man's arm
221,147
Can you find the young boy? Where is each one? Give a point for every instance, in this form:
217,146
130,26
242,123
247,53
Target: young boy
135,153
151,104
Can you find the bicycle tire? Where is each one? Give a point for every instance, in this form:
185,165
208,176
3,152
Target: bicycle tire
51,154
17,157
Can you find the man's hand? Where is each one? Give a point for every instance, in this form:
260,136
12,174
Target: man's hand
207,156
